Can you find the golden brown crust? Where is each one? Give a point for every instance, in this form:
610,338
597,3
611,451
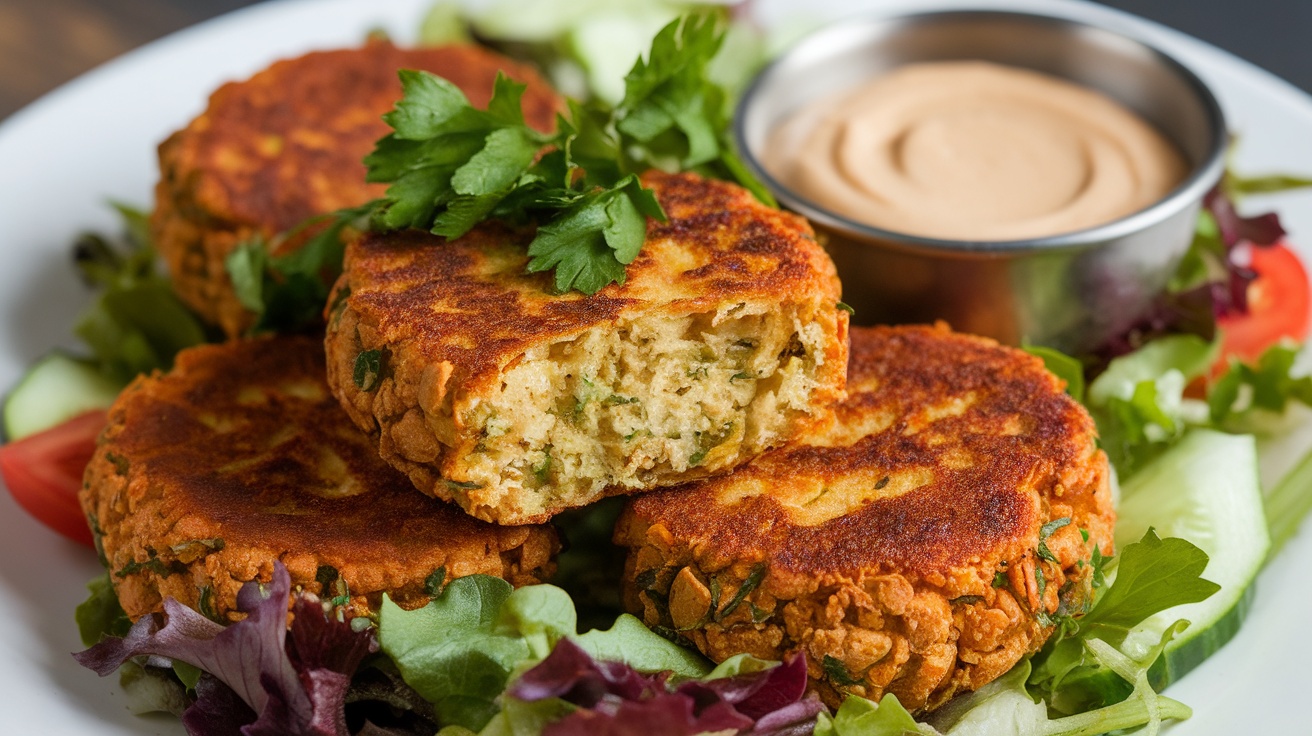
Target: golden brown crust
469,304
288,144
451,317
243,443
879,536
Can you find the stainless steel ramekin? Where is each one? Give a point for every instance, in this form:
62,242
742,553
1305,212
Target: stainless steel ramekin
1071,291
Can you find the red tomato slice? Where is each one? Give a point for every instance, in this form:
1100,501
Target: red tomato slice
44,473
1279,306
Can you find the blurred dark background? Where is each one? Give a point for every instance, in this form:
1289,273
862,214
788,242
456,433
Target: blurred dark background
44,43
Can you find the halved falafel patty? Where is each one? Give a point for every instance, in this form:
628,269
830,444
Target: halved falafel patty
898,547
239,457
288,144
488,389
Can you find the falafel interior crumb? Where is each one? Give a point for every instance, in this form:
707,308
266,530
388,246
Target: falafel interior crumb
629,404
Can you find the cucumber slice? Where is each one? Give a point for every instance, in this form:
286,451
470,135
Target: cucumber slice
606,45
57,388
1204,489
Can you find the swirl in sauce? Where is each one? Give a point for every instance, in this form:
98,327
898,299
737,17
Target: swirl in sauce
968,150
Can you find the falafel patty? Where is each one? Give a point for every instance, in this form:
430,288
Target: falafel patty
899,547
239,457
288,144
488,389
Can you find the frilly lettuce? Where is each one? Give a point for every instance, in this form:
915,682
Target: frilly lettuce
614,698
260,677
461,649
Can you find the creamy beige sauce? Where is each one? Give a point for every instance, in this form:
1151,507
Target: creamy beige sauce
968,150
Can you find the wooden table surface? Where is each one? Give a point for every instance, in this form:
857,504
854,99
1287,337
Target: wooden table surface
44,43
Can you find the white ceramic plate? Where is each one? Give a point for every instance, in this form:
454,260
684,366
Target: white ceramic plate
94,140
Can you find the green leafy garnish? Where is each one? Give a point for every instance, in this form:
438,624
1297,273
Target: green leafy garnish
1269,384
136,324
861,717
631,642
459,651
451,652
1137,401
1152,576
452,166
100,615
287,292
1063,366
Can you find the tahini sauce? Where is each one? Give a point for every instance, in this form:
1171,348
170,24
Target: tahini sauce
968,150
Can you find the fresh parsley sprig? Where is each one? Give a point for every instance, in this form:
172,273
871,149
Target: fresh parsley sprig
287,292
452,166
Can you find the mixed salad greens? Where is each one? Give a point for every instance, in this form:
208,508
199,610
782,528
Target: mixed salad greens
1175,400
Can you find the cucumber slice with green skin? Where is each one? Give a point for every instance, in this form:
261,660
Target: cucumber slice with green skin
1205,489
57,388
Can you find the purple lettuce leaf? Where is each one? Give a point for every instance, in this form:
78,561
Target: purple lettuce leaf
291,682
319,642
666,714
218,710
1260,230
1194,311
615,700
570,674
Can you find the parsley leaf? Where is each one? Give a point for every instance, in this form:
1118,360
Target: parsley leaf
288,292
592,242
451,166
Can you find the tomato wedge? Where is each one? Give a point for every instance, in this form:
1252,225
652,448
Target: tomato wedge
1279,306
44,473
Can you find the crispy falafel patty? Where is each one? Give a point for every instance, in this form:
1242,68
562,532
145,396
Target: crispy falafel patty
488,389
288,144
899,547
239,457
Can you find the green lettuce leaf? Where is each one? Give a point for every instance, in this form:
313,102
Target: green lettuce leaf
135,324
100,615
858,716
1152,575
461,649
1138,401
452,651
1269,385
